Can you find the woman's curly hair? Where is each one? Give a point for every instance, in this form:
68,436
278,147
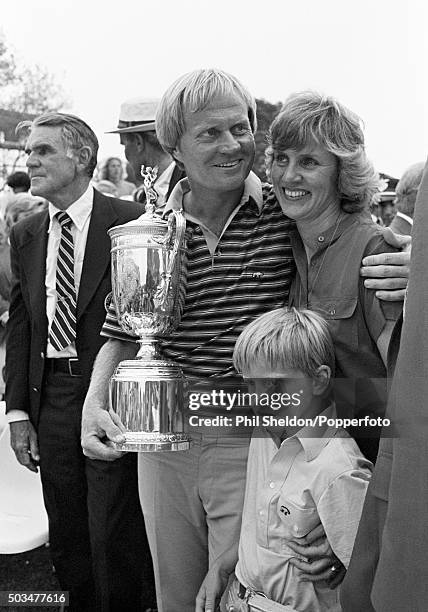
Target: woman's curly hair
309,116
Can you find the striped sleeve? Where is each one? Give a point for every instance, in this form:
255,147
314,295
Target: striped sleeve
112,329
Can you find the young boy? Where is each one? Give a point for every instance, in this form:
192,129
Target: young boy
297,476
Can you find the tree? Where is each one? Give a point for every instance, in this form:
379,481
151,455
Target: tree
266,112
25,88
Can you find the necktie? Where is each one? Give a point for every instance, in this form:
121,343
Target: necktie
63,328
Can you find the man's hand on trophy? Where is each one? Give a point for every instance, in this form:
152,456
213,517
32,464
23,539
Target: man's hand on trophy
99,429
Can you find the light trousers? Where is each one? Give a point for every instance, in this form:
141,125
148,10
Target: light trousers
192,503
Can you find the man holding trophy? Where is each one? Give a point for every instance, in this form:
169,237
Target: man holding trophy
239,264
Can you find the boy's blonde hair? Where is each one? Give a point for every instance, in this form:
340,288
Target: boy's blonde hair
285,337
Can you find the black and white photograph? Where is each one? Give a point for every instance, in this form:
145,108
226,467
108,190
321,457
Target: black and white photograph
213,322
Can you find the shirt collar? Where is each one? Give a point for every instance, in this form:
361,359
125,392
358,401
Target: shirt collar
78,212
312,446
405,217
162,183
333,233
252,190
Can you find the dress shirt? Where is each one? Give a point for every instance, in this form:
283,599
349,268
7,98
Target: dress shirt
80,214
289,490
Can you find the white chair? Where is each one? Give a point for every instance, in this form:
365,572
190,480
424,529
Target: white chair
23,519
3,419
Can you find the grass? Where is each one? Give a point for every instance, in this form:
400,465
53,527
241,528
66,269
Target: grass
29,571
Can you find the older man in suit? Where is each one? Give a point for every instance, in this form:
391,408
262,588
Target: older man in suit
60,263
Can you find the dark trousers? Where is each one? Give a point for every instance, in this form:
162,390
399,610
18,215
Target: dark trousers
62,467
122,562
91,504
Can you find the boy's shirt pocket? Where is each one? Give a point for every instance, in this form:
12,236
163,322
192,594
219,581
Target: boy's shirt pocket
286,520
294,521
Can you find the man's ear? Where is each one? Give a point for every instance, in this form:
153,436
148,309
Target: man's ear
321,380
140,143
84,155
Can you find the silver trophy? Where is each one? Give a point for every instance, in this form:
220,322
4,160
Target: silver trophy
148,282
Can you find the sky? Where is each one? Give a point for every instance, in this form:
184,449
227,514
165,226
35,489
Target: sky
371,54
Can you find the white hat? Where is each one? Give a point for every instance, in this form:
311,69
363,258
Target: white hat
137,115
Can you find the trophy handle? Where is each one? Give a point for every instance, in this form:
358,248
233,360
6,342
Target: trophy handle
177,219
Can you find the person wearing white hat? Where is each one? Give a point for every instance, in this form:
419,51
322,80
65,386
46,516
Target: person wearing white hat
142,148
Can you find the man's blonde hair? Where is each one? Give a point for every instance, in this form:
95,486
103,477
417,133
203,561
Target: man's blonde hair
191,93
285,337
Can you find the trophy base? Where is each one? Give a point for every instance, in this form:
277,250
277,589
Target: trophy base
148,398
143,442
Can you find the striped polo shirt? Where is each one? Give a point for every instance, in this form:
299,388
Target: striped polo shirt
231,280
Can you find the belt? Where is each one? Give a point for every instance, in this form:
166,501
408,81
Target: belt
64,365
258,601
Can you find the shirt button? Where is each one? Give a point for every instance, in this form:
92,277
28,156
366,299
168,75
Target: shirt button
321,238
261,513
35,389
272,485
42,355
332,311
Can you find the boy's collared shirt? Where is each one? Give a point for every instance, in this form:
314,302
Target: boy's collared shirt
289,491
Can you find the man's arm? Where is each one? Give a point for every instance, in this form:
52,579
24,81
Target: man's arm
98,426
388,273
321,558
23,437
23,440
215,582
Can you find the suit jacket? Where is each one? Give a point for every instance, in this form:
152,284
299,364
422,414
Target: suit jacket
4,286
387,572
401,226
27,330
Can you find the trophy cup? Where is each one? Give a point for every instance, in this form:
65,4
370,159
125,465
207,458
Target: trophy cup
148,281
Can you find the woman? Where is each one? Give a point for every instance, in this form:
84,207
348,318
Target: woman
113,171
324,181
